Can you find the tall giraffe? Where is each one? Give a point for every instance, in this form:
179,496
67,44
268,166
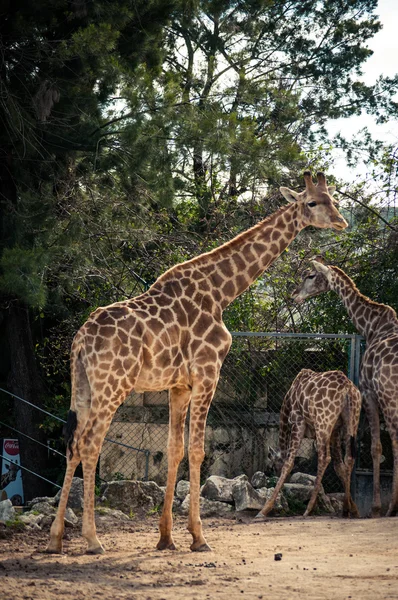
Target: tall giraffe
172,337
378,379
328,406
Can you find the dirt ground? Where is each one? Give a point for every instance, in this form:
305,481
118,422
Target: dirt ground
321,558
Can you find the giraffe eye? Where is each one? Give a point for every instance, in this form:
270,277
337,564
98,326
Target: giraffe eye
311,204
310,276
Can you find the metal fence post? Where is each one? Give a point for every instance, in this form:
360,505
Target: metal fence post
351,360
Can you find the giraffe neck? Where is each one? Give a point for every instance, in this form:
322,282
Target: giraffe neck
370,318
231,268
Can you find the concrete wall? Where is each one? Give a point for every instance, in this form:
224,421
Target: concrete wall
229,451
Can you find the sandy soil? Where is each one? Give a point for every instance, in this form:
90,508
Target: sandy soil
321,558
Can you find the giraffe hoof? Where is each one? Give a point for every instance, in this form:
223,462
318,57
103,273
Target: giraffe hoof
96,550
195,547
375,514
165,545
53,550
260,518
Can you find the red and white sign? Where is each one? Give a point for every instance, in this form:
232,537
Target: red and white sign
11,472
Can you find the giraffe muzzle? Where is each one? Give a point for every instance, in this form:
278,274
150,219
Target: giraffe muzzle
340,223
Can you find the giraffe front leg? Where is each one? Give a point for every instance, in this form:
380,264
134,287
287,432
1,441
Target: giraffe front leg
199,408
58,525
178,406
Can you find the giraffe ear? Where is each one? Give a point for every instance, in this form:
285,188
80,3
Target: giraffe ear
289,195
319,258
321,268
331,189
272,453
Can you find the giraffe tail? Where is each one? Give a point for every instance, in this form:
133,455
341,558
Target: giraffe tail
80,399
69,430
353,403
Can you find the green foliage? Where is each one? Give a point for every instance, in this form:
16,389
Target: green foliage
16,525
23,275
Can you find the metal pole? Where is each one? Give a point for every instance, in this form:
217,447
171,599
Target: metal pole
147,453
358,340
351,360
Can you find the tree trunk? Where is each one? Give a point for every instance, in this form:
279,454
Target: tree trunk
24,380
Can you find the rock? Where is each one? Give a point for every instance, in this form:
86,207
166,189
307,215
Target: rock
133,496
48,499
182,489
7,511
43,508
304,479
209,508
75,499
104,514
71,520
46,521
245,496
218,488
323,501
337,501
31,520
303,493
281,505
259,480
298,491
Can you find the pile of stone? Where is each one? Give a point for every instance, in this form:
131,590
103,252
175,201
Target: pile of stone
220,497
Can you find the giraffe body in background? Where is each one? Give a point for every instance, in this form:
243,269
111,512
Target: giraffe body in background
172,337
329,405
378,379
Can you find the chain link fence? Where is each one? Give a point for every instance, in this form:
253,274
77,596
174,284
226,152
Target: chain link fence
243,420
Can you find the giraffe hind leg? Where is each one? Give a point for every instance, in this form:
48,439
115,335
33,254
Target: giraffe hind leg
200,404
89,447
57,527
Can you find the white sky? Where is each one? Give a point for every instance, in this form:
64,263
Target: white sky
384,61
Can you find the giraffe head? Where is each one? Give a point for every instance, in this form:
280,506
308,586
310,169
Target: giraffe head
275,460
319,208
314,282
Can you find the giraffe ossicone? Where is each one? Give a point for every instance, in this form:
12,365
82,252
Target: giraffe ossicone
378,378
172,337
328,406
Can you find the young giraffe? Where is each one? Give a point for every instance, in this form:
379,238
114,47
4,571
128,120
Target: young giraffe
328,405
172,337
378,379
